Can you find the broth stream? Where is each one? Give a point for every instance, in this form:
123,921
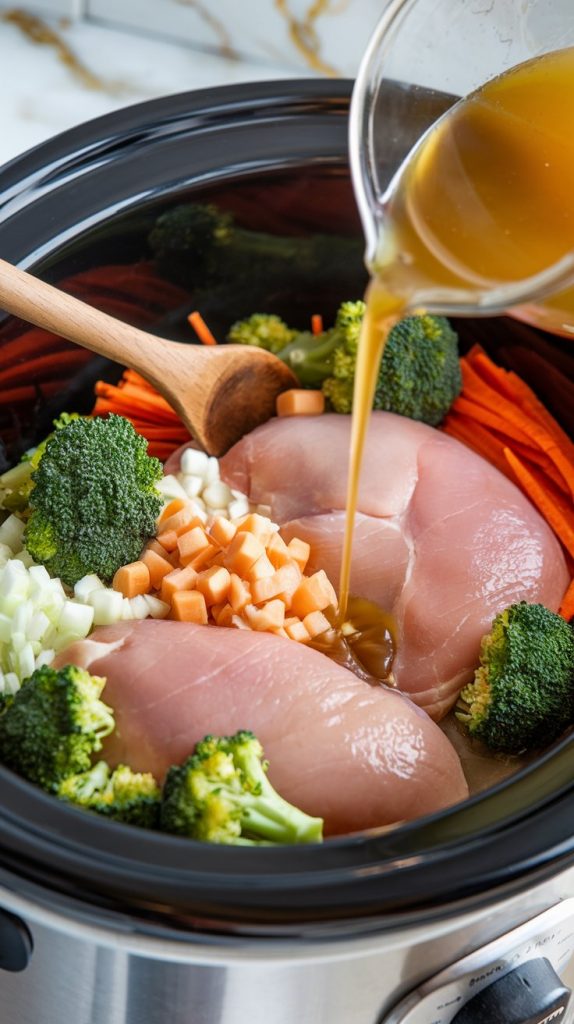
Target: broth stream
484,200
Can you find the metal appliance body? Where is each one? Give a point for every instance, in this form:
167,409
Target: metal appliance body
118,972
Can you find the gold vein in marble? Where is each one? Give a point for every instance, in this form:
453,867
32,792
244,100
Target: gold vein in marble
304,33
222,37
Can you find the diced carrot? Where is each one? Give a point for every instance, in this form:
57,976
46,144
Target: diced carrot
225,616
219,558
268,616
175,505
284,581
300,402
239,593
243,551
205,557
299,551
313,594
261,569
179,579
158,567
180,521
132,579
189,606
316,623
567,605
215,609
191,544
277,551
168,539
259,526
214,584
296,630
222,531
279,632
154,545
238,623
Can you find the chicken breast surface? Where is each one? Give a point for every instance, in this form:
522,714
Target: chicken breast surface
359,756
443,540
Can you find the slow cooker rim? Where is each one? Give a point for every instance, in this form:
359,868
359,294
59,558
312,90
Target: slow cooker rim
357,857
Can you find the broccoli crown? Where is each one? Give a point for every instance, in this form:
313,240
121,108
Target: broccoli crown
420,371
130,797
221,794
94,501
190,232
420,374
51,727
339,394
264,330
522,696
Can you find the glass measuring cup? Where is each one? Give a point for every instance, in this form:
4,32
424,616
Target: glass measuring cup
424,56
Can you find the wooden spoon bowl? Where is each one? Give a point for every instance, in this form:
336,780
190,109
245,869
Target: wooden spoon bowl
220,392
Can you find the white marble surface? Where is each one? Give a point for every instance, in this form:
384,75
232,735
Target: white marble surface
40,96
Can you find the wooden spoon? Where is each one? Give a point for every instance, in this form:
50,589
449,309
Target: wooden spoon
221,392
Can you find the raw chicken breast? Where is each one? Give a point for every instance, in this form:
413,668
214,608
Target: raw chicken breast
443,540
359,756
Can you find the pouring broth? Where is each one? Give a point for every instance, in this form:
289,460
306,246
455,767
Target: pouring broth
482,202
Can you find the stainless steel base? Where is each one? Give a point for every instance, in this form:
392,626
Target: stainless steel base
84,974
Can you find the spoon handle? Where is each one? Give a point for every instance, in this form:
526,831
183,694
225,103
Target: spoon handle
41,304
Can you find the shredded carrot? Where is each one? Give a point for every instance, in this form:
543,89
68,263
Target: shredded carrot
201,329
553,507
512,387
317,323
566,609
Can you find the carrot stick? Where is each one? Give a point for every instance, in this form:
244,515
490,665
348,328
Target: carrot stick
566,609
201,329
512,387
317,323
161,451
30,344
29,393
45,366
135,378
557,512
476,411
137,399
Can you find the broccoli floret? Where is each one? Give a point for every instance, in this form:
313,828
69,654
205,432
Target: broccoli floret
130,797
522,696
198,245
420,373
339,394
94,501
312,357
221,794
16,484
51,727
264,330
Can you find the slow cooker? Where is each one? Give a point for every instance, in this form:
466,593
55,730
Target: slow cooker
465,916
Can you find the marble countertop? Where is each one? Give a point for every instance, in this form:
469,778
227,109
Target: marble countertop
42,95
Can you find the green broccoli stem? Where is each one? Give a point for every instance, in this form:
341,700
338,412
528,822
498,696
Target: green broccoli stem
268,815
277,821
311,356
